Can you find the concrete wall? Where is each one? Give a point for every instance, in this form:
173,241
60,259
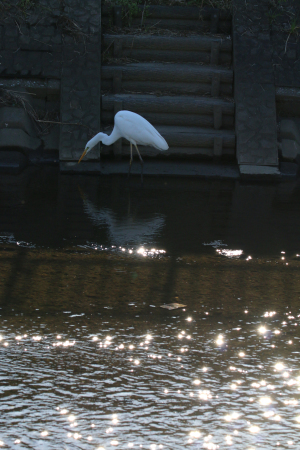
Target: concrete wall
58,40
266,56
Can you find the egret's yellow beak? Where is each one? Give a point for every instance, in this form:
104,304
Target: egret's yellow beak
83,155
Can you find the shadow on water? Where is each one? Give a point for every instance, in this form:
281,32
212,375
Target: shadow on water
47,209
90,359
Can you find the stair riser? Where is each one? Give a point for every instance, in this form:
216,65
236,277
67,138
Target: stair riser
175,12
178,25
169,88
173,151
189,120
166,72
169,56
184,18
185,44
170,105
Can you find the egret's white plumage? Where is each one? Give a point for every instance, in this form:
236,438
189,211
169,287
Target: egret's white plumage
132,127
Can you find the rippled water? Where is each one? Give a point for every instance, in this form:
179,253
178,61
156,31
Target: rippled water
90,360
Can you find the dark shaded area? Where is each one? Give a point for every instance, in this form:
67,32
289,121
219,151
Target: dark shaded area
44,208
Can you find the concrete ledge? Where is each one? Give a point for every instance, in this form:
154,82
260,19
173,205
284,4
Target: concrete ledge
259,172
11,117
160,168
16,138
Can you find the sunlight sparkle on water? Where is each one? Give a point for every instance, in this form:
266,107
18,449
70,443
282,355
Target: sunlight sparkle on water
254,429
195,434
152,252
262,330
269,313
229,253
265,401
220,340
279,366
232,416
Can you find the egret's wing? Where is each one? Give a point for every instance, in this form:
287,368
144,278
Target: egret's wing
138,130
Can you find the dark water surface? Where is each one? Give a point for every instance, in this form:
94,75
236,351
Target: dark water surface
90,360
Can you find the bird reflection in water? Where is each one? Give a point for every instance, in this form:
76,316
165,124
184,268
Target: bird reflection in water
125,230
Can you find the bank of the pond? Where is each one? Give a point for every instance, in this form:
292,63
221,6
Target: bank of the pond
53,82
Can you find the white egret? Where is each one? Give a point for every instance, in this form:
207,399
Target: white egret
135,129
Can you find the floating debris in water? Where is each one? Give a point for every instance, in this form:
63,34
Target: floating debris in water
216,244
173,306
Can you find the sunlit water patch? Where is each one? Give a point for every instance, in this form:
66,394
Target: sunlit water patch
9,238
125,250
82,382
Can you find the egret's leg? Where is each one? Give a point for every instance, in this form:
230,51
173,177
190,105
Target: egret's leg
141,161
130,162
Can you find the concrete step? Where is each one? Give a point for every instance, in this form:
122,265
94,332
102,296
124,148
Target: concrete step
155,168
179,79
205,49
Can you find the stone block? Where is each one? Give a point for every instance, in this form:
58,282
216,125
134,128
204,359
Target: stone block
290,130
263,172
13,138
11,117
290,149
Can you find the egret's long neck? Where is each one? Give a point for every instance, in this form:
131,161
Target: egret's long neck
113,137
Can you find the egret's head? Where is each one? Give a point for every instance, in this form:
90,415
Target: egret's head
91,144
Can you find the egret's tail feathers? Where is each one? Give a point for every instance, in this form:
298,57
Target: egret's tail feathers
164,145
161,143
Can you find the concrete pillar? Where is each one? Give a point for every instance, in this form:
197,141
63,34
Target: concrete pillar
254,89
80,77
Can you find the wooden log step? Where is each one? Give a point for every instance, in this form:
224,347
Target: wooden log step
192,120
151,152
175,12
205,49
166,72
191,136
190,43
182,25
167,87
176,56
167,104
187,141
